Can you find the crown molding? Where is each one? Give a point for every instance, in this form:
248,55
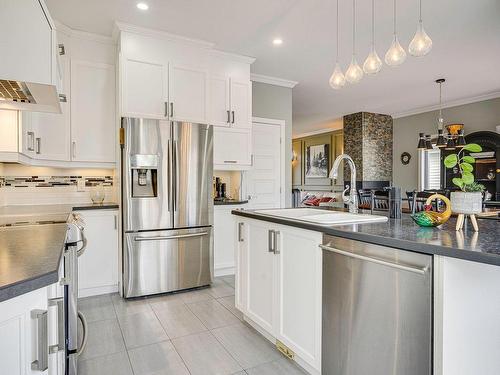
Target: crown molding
453,103
316,132
61,27
126,27
273,80
233,56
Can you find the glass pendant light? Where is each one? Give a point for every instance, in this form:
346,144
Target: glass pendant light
396,54
372,64
421,44
441,141
354,73
337,79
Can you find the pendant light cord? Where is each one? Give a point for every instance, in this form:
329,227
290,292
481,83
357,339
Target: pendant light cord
373,24
440,106
420,17
337,31
353,27
394,17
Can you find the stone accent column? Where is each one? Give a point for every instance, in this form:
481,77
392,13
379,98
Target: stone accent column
368,140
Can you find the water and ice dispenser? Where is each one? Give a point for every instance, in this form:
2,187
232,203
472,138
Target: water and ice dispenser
144,170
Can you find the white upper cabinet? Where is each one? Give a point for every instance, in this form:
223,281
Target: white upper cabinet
219,109
92,112
241,104
232,148
145,89
27,42
187,91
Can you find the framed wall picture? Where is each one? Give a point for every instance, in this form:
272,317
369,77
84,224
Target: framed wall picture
317,161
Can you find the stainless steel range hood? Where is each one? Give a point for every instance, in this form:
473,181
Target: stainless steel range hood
28,96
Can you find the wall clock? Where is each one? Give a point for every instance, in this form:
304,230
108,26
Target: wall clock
405,158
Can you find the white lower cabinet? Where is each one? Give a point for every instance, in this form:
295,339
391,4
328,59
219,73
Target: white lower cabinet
98,265
278,285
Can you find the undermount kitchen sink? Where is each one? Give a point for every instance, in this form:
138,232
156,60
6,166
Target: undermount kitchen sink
323,217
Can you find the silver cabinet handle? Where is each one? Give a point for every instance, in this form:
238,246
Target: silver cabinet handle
41,362
166,109
161,238
31,141
270,241
228,116
38,142
82,319
233,116
59,303
240,232
276,249
171,109
230,161
116,221
74,149
420,271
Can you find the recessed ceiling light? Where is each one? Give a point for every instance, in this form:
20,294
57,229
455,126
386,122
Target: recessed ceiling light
142,6
277,41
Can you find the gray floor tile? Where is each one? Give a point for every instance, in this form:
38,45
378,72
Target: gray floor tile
212,314
228,303
165,301
229,279
129,306
104,337
195,296
141,329
179,321
247,346
97,308
157,359
117,363
281,367
220,289
204,355
240,373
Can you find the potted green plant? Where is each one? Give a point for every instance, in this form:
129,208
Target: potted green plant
469,199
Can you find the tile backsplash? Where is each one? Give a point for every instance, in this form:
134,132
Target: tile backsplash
52,181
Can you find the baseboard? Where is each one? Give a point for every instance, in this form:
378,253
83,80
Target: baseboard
96,291
224,271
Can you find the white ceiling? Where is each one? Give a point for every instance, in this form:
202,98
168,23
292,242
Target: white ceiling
466,51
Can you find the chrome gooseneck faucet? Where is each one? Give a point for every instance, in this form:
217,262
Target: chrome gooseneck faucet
352,200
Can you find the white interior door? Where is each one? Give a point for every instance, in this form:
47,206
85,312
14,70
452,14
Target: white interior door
264,178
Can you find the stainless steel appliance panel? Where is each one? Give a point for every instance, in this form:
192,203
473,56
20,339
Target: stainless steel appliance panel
146,151
377,310
165,261
193,169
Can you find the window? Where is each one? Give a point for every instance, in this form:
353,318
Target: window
430,169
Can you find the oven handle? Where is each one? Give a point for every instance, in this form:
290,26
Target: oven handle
81,250
85,333
160,238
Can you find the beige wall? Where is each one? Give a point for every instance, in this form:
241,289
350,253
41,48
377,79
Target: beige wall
483,115
275,102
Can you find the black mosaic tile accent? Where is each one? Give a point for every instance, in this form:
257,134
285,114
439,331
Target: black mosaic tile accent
53,181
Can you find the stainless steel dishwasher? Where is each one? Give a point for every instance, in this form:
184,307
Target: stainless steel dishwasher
377,310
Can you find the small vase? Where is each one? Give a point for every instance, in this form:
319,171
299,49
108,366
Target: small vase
97,194
467,203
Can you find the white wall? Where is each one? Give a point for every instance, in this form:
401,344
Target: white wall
275,102
483,115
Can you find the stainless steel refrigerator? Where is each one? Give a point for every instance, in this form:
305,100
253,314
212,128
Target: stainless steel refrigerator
167,206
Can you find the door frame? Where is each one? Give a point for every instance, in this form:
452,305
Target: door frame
282,125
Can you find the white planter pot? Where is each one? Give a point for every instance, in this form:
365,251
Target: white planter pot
466,203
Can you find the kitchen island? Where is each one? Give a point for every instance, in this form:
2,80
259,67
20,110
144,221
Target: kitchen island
279,284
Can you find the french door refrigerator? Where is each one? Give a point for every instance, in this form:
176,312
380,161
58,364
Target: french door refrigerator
167,206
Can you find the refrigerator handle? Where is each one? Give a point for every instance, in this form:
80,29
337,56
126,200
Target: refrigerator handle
169,175
176,175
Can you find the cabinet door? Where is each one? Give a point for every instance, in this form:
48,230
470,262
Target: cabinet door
232,147
187,91
144,90
27,42
93,124
299,290
8,131
98,265
224,240
260,277
241,104
220,113
52,130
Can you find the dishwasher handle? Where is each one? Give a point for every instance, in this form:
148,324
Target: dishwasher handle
160,238
420,271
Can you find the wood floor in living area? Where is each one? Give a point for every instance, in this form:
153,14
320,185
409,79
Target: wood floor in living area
197,332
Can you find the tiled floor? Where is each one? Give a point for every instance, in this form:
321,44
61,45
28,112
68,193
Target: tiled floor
198,332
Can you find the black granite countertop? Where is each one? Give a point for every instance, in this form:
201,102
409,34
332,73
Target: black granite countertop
228,202
92,206
29,257
482,246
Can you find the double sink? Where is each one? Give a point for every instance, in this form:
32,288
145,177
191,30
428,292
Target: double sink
322,217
